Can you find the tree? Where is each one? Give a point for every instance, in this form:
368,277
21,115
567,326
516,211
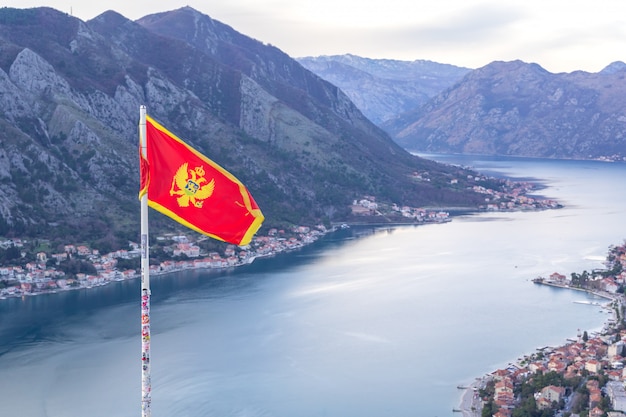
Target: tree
585,336
10,254
528,408
75,266
489,409
580,280
132,263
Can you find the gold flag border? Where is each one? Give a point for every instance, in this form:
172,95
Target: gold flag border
256,213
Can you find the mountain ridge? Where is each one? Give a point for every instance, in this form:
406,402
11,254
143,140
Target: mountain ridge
384,88
520,109
502,108
71,97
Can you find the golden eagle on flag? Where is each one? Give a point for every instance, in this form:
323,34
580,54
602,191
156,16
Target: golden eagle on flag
185,185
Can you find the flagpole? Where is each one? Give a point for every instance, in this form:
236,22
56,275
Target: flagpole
146,383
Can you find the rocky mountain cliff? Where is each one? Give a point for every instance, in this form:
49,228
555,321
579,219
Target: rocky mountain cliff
384,88
70,97
515,108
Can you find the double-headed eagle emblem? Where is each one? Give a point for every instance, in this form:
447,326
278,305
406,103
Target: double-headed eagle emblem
190,186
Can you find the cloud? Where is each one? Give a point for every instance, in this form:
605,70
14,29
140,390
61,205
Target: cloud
483,23
428,32
556,34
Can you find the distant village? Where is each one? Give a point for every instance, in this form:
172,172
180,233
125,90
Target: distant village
43,275
586,377
514,198
40,277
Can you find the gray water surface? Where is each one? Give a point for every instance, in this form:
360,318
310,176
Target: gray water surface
366,322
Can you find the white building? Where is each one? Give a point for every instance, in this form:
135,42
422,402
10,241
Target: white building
617,394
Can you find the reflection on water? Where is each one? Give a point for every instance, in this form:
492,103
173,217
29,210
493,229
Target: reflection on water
366,322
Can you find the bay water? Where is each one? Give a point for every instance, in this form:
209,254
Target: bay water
369,321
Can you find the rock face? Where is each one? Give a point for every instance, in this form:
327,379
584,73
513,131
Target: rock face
70,93
515,108
382,88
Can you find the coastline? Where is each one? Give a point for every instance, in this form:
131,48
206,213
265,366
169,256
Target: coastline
471,404
36,278
29,287
260,247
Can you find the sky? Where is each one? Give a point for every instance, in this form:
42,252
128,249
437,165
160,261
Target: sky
559,35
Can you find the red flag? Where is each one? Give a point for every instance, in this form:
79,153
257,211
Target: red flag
193,190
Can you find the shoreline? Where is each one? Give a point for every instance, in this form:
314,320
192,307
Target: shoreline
470,404
424,216
306,239
152,273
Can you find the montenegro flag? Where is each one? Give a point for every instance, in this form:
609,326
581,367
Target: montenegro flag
187,186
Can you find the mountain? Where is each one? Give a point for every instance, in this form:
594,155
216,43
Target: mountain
614,67
516,108
70,98
384,88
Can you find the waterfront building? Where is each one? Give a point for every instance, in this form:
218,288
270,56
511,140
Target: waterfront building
617,394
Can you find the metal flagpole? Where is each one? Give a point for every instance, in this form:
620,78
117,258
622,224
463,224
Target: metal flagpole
146,383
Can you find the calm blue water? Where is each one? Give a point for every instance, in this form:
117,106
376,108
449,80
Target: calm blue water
366,322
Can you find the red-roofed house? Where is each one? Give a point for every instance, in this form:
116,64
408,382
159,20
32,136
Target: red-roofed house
504,386
593,365
553,393
543,403
500,374
556,277
596,412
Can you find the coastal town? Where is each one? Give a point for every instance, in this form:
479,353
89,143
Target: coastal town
516,196
40,272
585,377
43,275
37,273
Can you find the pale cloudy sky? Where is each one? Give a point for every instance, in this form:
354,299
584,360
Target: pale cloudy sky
559,35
